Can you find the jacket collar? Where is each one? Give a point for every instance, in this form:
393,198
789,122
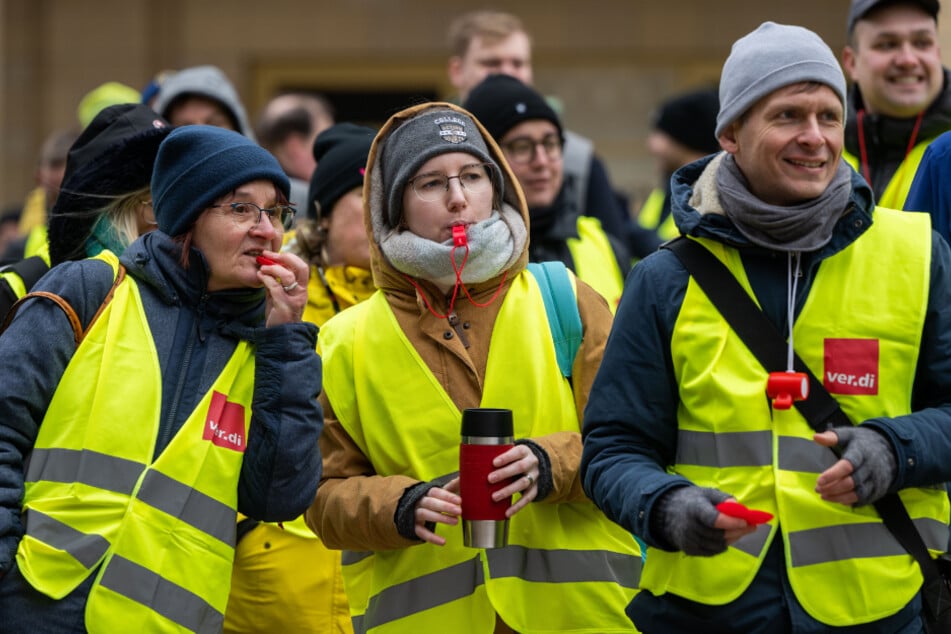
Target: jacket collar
153,260
888,136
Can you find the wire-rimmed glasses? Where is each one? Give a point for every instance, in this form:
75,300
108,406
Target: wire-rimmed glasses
246,215
474,179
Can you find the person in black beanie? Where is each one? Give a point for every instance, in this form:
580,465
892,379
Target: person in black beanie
104,200
681,133
331,237
532,138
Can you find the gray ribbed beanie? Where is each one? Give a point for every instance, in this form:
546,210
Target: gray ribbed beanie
431,133
769,58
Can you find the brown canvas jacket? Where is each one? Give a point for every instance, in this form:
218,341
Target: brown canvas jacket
355,508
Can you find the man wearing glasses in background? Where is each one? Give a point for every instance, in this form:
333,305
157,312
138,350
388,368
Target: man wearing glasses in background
532,139
484,42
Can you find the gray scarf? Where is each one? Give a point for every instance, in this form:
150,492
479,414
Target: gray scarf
804,227
495,244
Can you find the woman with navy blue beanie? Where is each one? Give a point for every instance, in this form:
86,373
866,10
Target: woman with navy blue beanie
284,578
175,386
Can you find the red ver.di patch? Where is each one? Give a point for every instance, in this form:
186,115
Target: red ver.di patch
224,425
851,366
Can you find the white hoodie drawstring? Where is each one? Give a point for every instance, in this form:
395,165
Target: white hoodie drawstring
792,283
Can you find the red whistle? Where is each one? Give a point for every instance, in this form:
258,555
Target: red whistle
459,238
263,260
786,387
752,516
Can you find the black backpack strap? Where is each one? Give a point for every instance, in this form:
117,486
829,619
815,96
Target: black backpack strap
29,270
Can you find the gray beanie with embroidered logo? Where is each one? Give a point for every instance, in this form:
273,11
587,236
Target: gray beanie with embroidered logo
772,57
429,134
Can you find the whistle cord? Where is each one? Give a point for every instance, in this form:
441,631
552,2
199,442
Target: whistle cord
792,283
459,284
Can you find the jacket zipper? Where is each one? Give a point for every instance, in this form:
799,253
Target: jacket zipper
166,431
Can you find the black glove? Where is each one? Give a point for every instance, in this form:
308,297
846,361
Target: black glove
684,518
873,460
405,515
545,481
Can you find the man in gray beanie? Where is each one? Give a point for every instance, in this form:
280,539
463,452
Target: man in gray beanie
682,416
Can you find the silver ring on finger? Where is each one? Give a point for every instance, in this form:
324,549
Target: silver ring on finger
530,479
290,287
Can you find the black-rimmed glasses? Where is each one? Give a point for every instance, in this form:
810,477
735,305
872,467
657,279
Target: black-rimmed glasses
522,149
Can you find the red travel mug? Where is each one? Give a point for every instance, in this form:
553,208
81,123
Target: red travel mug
486,433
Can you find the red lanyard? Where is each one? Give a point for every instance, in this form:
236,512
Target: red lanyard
863,152
458,285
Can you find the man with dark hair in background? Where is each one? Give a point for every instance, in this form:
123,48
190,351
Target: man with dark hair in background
287,128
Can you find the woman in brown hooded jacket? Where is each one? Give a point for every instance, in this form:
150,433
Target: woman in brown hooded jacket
454,327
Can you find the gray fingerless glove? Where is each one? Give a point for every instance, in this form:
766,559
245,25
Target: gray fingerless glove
873,460
684,518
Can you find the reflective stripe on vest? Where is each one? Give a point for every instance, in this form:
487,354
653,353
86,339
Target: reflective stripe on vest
448,582
873,539
595,262
457,582
161,532
730,439
88,550
141,586
896,192
357,569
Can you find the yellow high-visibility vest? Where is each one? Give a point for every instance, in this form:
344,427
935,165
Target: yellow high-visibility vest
566,567
896,192
595,263
160,531
859,329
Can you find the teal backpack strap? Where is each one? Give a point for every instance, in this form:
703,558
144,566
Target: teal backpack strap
561,307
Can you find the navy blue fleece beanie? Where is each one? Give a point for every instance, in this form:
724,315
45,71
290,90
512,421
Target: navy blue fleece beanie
197,164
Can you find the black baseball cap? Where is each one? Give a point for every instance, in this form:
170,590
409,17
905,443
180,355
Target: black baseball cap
860,8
